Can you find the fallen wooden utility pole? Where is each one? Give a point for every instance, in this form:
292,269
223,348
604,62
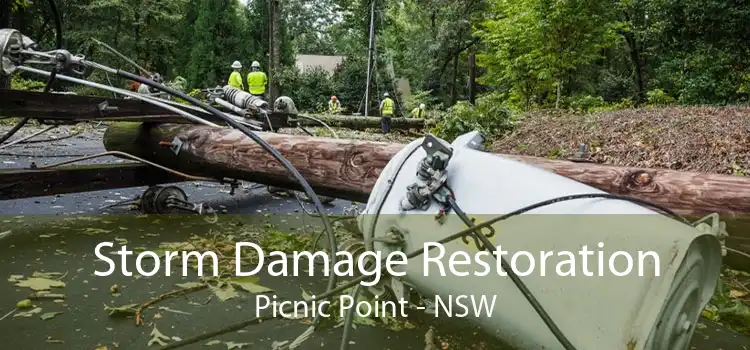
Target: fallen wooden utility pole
348,169
362,123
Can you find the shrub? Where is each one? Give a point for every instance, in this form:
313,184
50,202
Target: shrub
490,116
658,97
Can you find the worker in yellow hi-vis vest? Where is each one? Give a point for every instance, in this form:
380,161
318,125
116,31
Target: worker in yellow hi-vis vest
418,112
257,81
386,113
235,79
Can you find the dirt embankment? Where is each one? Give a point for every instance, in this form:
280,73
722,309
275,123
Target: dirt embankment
702,139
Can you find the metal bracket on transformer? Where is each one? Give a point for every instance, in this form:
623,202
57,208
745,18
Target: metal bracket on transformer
431,175
712,224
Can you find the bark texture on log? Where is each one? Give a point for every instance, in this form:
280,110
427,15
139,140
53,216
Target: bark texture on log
348,169
341,168
362,123
354,166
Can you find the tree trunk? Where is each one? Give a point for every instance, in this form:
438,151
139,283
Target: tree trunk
454,89
472,76
275,60
348,169
635,58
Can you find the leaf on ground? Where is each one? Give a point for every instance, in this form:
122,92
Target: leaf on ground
189,285
737,294
29,313
36,283
248,283
232,345
124,310
48,235
49,315
305,295
15,278
213,342
224,292
24,304
51,340
174,246
51,275
101,347
157,338
90,231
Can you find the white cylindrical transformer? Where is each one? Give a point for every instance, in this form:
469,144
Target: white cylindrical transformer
655,306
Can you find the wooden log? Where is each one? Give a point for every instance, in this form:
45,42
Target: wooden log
362,123
348,169
27,183
219,152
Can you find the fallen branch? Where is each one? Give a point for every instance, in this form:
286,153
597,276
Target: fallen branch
174,293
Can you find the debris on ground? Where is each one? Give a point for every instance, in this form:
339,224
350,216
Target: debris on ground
730,305
158,337
700,139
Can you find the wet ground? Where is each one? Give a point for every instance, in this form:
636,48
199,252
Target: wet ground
59,234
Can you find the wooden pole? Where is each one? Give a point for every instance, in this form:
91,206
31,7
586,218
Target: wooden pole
348,169
354,166
362,123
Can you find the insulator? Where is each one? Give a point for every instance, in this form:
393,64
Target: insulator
243,99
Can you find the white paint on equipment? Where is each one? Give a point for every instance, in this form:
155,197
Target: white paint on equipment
595,313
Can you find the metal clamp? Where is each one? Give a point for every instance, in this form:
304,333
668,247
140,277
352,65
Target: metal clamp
431,174
104,107
176,145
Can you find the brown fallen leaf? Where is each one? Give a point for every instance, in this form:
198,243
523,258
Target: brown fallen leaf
737,294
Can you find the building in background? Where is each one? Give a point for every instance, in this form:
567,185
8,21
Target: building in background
327,63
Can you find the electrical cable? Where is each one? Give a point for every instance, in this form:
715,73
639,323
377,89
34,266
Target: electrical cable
288,165
319,122
416,253
739,252
514,277
53,139
123,92
132,157
21,140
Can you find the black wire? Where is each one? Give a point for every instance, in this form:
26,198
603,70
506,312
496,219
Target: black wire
416,253
513,276
289,167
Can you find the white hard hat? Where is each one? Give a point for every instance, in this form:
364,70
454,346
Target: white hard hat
385,94
421,106
236,64
255,64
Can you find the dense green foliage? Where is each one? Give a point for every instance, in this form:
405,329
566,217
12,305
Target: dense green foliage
530,54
